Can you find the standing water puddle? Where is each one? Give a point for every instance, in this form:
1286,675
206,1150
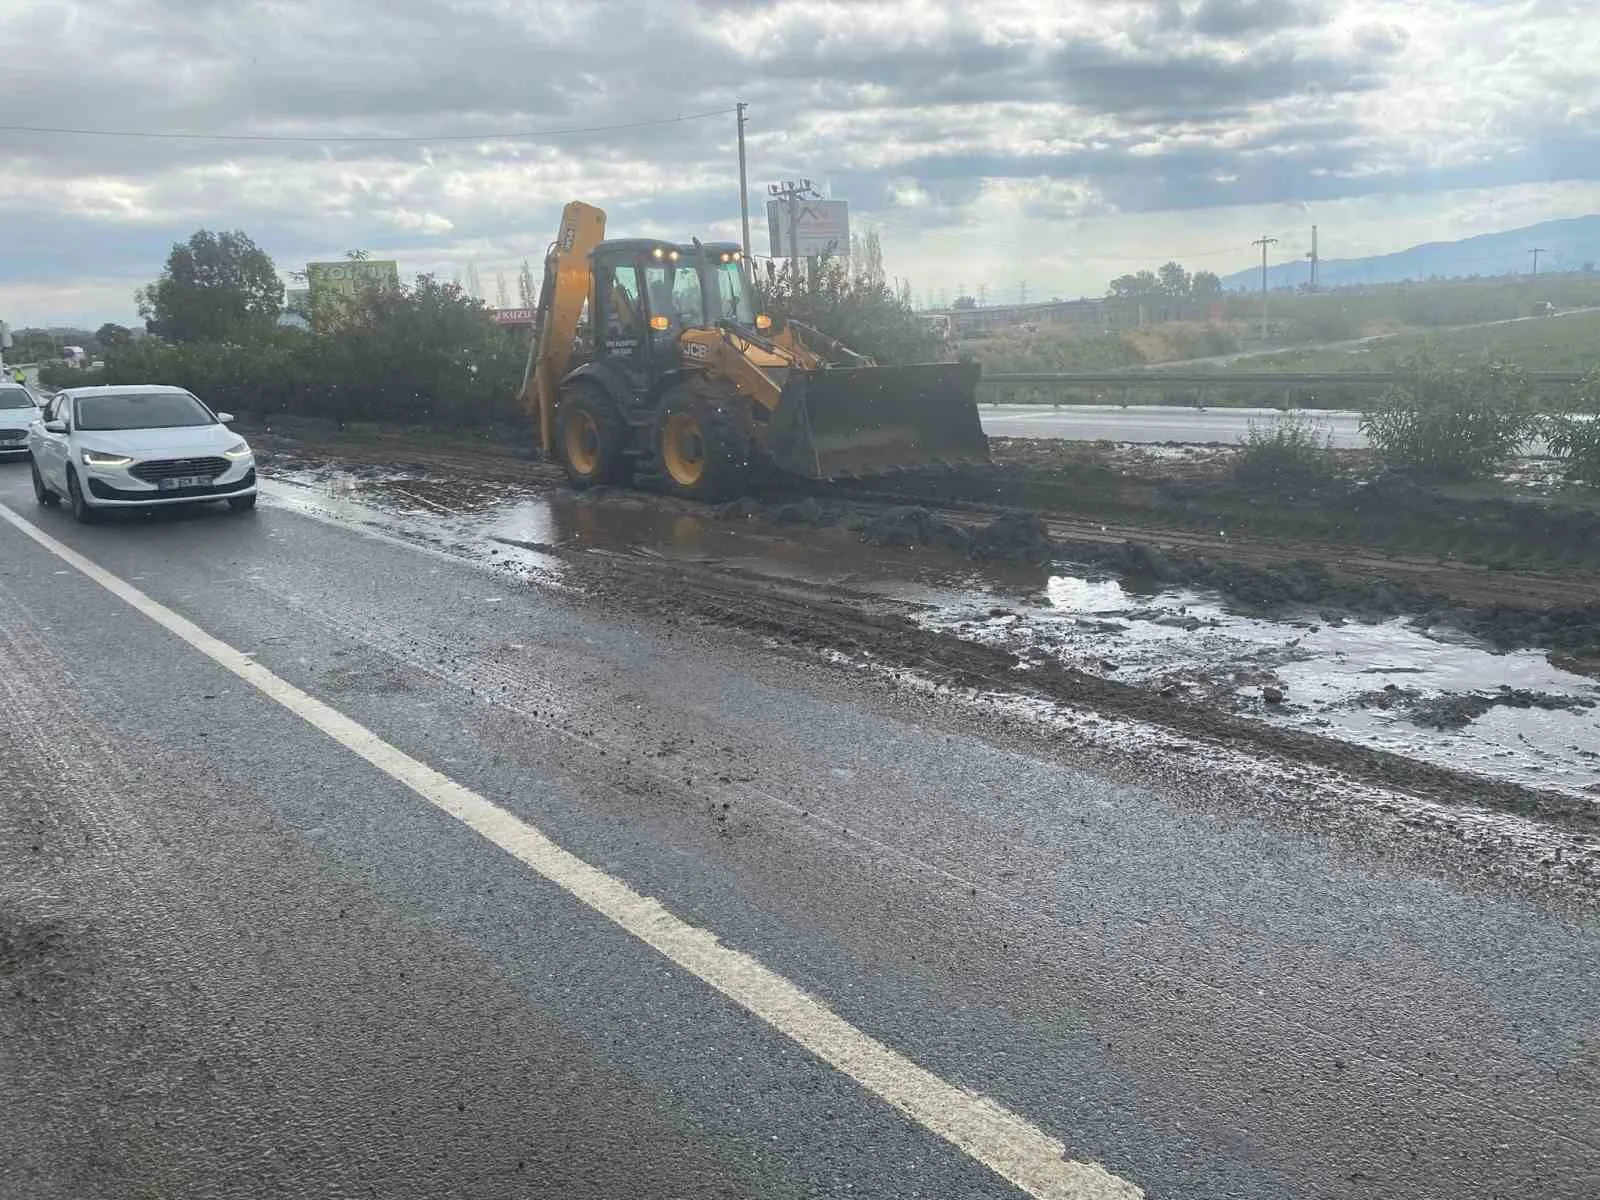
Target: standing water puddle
1433,695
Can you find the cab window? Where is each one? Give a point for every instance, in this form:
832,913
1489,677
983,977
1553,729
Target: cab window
675,294
621,314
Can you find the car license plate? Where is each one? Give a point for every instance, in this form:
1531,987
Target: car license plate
182,481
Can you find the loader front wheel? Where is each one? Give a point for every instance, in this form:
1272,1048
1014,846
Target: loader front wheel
704,455
593,440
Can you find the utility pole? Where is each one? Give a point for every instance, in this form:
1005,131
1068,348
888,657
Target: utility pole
1313,257
791,193
1022,292
1264,242
744,181
1536,251
983,294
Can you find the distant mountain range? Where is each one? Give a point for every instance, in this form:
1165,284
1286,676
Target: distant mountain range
1569,245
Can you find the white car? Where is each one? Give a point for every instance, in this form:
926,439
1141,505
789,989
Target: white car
135,446
18,410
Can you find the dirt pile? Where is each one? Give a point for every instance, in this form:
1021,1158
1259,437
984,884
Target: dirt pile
908,527
1457,710
1010,538
1013,537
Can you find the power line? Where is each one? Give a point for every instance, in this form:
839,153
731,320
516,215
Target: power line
168,135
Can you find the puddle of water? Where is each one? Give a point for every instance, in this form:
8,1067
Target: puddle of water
1331,676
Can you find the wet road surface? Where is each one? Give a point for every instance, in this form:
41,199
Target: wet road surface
1157,423
237,958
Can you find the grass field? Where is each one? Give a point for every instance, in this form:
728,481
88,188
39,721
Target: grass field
1566,342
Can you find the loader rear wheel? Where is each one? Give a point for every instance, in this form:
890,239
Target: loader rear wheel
593,440
704,454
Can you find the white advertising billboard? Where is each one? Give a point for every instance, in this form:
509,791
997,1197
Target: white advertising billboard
822,227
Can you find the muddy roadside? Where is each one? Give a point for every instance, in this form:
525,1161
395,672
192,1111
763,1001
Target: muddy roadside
1359,646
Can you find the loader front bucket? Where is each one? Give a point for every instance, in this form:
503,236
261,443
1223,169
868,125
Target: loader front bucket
842,422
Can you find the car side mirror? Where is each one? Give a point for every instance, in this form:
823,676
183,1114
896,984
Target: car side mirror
55,426
224,418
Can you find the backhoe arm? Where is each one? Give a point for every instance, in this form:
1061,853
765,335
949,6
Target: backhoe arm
561,300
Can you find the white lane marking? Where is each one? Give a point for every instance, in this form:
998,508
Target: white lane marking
1006,1143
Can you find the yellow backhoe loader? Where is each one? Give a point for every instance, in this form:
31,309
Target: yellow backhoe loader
676,366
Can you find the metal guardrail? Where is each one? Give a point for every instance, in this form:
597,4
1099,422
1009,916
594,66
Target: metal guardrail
1155,377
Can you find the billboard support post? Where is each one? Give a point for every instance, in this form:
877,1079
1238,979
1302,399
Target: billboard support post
802,225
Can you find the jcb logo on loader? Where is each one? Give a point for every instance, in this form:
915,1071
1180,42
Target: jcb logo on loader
696,350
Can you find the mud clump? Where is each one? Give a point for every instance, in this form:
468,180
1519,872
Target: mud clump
906,528
803,512
1013,537
1457,710
1010,537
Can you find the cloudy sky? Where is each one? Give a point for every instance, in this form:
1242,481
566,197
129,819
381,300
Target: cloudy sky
1055,143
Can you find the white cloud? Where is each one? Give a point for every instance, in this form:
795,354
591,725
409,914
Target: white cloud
1055,140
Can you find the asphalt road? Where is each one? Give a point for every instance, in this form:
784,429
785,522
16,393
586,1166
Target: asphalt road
239,958
1158,423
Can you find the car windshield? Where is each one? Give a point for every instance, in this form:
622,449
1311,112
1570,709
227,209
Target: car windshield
15,397
142,410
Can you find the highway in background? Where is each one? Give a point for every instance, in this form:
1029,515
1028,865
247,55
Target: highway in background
1157,423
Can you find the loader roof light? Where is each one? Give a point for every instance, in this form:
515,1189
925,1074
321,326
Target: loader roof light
763,321
658,252
672,255
659,323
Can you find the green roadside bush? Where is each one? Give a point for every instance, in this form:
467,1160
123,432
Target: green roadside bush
1451,423
426,354
1573,435
1294,449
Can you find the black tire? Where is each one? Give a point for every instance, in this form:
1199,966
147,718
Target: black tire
242,503
592,439
81,512
41,493
701,445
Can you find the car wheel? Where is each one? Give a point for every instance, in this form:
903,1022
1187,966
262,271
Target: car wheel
242,503
41,493
81,512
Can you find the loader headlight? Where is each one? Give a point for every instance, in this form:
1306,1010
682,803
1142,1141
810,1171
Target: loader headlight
763,321
659,323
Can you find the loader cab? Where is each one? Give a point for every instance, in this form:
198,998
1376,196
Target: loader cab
646,293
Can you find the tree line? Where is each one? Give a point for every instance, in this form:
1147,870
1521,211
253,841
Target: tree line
1170,283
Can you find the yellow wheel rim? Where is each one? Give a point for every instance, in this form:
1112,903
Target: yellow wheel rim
683,450
582,443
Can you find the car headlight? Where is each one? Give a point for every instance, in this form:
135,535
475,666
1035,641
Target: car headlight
102,458
238,450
